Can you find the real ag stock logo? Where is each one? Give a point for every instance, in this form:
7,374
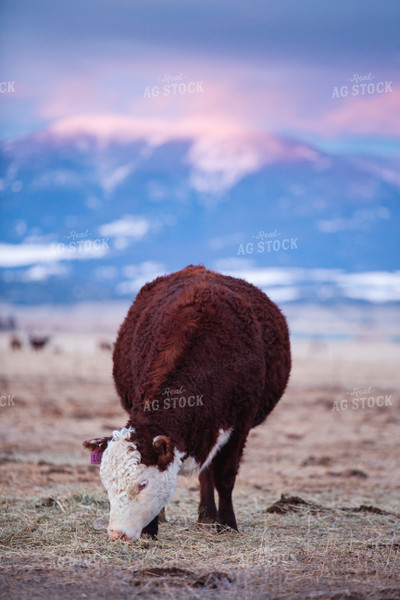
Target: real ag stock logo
173,85
7,400
267,242
7,87
80,242
362,85
362,398
174,398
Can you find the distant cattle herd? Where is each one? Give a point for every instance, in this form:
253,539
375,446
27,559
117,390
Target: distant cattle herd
36,342
39,342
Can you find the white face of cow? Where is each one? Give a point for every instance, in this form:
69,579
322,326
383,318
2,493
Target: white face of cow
136,492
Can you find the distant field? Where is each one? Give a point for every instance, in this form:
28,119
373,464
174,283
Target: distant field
335,535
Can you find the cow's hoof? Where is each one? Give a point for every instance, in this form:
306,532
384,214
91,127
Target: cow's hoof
206,516
224,528
206,520
148,536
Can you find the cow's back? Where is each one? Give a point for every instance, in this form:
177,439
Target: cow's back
138,341
217,335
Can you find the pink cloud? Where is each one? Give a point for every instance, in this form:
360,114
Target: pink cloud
377,114
222,150
247,96
234,124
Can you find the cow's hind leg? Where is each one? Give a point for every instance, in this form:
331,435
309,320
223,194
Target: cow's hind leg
207,507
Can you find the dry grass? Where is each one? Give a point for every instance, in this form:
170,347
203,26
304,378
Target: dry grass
311,551
49,547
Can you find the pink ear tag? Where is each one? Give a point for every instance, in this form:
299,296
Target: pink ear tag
95,457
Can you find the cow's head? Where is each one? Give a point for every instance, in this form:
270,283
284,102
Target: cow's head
137,492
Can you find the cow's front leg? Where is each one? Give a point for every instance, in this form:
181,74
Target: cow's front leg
151,529
207,508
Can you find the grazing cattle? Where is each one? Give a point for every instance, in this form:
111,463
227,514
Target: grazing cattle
103,345
200,359
15,343
38,343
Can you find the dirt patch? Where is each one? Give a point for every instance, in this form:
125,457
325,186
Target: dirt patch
319,461
181,577
288,504
371,509
349,473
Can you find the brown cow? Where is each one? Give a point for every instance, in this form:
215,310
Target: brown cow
15,343
38,342
200,359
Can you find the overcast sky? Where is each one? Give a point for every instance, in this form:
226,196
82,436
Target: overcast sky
267,66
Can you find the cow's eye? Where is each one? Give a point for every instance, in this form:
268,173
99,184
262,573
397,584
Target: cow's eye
142,484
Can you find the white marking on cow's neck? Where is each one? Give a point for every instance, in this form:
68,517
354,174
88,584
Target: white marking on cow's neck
223,437
191,467
175,466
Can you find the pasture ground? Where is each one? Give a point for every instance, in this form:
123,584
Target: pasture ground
335,533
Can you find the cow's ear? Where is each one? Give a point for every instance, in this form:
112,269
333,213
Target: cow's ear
162,445
99,444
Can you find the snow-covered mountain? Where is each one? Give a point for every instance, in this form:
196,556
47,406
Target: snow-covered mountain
88,217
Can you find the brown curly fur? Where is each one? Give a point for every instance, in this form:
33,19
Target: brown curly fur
216,336
219,338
